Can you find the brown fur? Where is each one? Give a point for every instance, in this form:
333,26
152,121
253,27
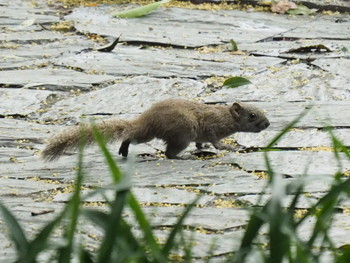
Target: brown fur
176,122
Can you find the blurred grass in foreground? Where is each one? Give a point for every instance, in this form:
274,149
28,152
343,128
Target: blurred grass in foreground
281,241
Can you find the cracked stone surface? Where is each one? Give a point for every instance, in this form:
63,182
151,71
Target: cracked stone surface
52,79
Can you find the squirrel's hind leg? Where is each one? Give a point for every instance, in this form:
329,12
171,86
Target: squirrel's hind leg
174,147
124,148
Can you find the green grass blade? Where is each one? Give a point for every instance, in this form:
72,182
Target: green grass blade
169,244
234,46
277,138
132,201
345,254
278,223
73,207
115,171
146,229
235,82
254,225
101,219
339,146
85,256
40,242
98,217
139,11
288,127
325,209
112,227
16,232
187,246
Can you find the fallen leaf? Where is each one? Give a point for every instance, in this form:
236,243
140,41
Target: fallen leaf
235,82
302,10
139,11
283,6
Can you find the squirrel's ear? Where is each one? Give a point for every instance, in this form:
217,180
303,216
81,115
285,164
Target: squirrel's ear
236,109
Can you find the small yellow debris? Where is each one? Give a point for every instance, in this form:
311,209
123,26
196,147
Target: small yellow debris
347,173
64,26
261,175
95,204
229,141
317,149
230,203
300,213
14,160
212,49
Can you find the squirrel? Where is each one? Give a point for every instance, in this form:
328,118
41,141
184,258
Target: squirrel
175,121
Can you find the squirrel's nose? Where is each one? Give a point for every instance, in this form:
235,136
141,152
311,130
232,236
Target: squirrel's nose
267,124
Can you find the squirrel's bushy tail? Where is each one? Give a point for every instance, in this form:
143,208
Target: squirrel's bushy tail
69,139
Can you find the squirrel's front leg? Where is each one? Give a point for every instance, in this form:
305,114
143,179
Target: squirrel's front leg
215,141
220,146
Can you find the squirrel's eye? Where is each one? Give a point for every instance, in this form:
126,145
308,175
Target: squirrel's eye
252,116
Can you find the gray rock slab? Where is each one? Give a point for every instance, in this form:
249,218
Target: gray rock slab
315,187
320,5
62,79
338,229
32,216
14,13
26,101
281,86
21,160
13,155
198,173
213,225
202,242
185,27
283,48
29,55
168,196
258,200
206,217
144,195
338,67
13,187
21,133
293,138
329,4
160,62
298,82
140,92
32,37
292,163
238,185
322,27
24,170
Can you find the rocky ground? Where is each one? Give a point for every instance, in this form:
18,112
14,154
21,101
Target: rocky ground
52,76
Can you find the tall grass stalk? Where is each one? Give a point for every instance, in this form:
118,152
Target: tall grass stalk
282,240
271,235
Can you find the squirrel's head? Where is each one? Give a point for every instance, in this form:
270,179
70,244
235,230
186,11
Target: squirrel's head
249,118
